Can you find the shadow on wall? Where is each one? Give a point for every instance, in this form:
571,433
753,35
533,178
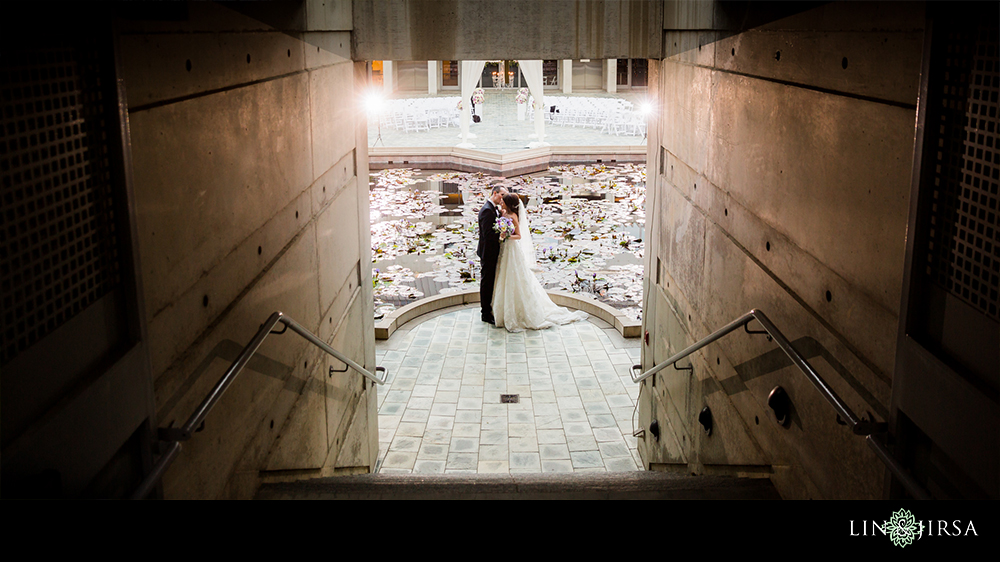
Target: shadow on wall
776,360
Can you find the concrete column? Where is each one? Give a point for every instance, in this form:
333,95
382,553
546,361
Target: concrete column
387,81
433,76
611,75
567,76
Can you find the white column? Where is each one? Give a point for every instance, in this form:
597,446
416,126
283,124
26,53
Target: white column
612,71
433,77
387,85
567,76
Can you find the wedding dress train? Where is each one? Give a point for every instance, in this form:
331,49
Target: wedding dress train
519,301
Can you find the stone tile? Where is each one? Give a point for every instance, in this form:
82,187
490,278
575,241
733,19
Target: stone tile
611,449
406,443
554,451
493,452
603,420
411,429
430,451
492,438
545,409
586,459
521,429
391,409
523,444
605,434
440,422
553,465
421,403
465,444
449,385
470,404
548,422
494,422
518,369
440,409
597,408
469,416
416,415
400,459
515,417
569,403
621,464
495,385
551,436
437,436
493,466
620,401
465,430
429,467
405,383
581,443
462,461
525,461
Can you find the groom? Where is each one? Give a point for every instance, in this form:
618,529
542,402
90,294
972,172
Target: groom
489,250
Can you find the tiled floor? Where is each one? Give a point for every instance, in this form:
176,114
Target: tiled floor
441,410
500,132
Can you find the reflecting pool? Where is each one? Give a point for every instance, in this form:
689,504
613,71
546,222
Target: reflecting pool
587,225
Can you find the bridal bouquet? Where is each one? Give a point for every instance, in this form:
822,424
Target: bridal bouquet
505,227
522,96
478,96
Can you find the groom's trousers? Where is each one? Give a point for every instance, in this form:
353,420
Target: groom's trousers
488,276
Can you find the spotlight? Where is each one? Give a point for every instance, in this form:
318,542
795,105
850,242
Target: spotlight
646,108
376,105
374,102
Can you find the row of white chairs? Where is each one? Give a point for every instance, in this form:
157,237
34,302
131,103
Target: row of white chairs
420,114
610,115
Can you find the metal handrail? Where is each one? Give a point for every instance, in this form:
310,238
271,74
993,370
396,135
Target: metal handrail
859,426
174,435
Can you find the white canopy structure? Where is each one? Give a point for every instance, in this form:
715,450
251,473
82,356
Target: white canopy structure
532,72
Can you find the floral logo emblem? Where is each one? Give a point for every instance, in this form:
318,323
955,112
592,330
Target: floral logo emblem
902,528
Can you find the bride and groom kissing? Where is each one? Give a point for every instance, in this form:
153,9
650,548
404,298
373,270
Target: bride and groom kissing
511,295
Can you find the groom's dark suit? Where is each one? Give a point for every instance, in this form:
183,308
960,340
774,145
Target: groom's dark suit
489,253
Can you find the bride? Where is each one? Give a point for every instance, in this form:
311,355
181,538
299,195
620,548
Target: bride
519,301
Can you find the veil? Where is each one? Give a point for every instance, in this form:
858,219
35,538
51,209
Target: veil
527,248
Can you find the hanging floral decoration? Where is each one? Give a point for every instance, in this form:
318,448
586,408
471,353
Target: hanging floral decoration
478,95
522,96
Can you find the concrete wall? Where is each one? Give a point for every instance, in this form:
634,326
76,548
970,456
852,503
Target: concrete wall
512,29
251,166
778,178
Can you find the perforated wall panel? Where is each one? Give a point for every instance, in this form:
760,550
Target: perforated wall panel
963,253
58,248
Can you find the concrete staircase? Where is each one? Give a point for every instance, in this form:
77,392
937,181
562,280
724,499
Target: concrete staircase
593,486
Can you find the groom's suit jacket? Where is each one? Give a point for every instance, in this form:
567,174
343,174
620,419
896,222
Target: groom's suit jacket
489,239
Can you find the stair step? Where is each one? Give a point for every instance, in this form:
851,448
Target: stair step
609,486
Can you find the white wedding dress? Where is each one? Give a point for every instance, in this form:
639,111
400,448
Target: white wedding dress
519,301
